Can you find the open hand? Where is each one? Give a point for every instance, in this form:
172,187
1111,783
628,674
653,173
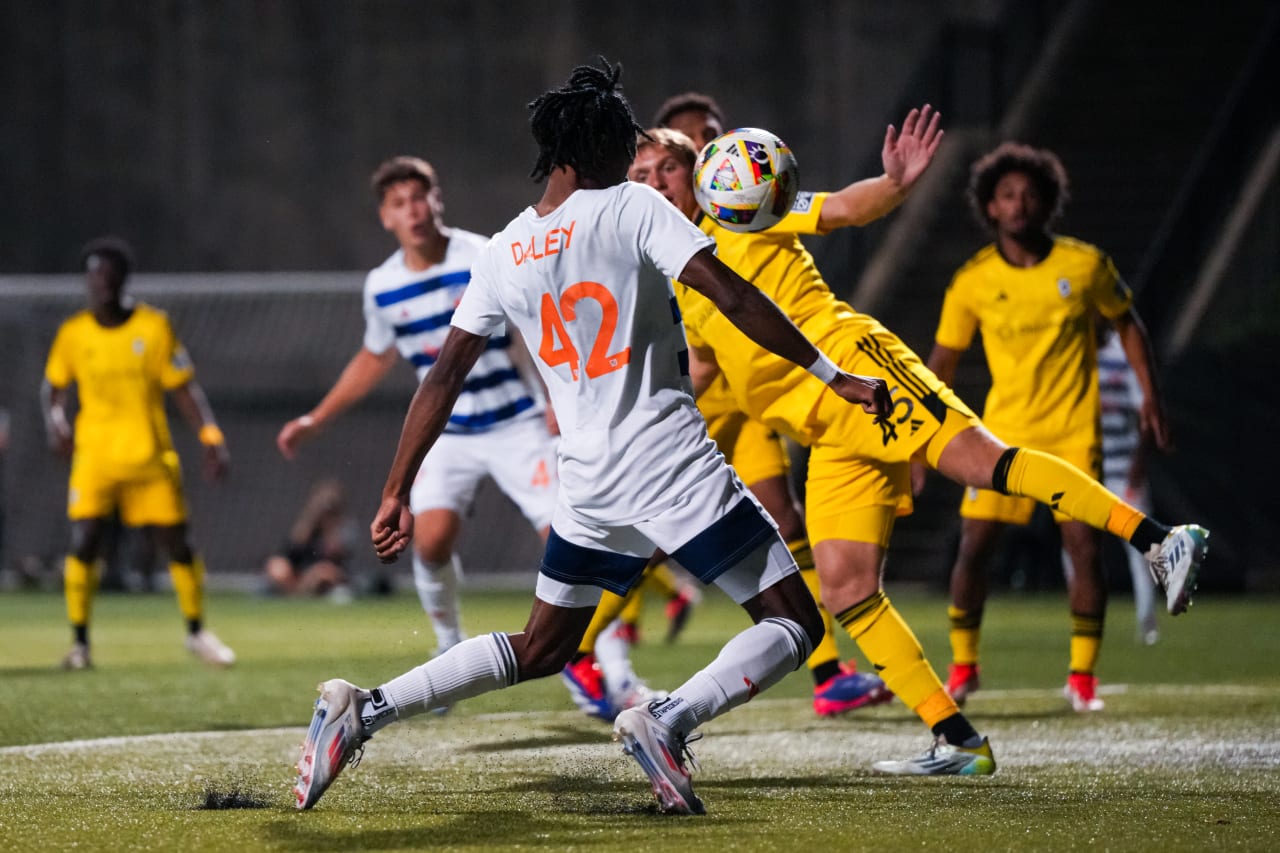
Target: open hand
905,156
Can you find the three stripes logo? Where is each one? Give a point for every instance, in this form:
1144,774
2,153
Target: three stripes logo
1056,499
913,388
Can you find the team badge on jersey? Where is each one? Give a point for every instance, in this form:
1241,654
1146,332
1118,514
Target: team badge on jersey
1064,287
180,360
138,346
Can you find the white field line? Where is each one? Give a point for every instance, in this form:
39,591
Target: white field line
70,746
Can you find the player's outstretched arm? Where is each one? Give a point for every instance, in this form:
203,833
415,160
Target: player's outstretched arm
429,411
362,373
196,411
763,322
905,157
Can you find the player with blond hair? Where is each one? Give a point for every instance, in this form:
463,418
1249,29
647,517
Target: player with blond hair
859,474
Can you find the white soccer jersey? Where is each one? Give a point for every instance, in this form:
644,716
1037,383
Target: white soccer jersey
411,310
1121,399
589,288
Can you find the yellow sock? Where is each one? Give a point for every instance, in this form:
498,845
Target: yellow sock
661,580
966,630
1086,642
606,611
188,584
79,582
896,655
633,606
1066,489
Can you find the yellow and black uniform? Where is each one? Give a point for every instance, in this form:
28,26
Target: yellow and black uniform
859,478
1038,334
124,457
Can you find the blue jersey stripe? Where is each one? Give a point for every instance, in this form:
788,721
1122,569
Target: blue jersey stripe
490,380
422,359
420,288
425,324
484,420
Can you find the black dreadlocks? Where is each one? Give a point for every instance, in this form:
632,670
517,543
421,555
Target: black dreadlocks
586,124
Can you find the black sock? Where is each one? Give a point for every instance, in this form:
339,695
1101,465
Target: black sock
81,633
1148,533
193,626
956,729
825,671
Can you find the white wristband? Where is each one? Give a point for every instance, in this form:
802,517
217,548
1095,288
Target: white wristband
824,368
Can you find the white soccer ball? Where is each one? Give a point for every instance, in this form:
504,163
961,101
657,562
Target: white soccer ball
746,179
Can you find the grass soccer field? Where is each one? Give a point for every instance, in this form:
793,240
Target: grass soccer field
151,751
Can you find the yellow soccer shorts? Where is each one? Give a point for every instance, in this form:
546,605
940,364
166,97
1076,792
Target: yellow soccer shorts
755,451
148,496
986,505
859,477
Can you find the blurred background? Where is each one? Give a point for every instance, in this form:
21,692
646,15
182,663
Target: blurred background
231,143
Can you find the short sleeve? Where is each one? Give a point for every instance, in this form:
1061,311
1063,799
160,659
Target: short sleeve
958,323
1108,291
664,235
480,312
177,369
379,336
803,217
57,369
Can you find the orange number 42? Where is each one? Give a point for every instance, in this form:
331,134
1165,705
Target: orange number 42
557,348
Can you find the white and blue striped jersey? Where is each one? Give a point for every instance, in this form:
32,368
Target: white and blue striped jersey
1121,398
412,310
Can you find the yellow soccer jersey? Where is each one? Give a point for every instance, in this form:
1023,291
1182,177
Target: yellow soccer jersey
121,375
1037,331
767,387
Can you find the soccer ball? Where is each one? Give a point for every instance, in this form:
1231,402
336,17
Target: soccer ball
746,179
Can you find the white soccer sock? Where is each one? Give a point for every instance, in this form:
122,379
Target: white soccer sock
437,585
753,661
470,668
613,653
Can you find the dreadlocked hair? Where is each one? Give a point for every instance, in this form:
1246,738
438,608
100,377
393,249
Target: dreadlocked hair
585,124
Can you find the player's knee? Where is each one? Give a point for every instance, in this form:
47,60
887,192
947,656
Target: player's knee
86,539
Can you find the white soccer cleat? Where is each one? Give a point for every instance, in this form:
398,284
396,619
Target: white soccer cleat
77,658
335,739
1175,564
661,754
205,645
943,759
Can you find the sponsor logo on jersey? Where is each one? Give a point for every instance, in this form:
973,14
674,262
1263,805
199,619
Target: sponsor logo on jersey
803,202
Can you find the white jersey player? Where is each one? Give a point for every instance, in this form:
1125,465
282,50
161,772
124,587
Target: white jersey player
497,427
1123,463
585,273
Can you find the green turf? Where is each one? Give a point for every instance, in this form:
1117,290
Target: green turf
1185,757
